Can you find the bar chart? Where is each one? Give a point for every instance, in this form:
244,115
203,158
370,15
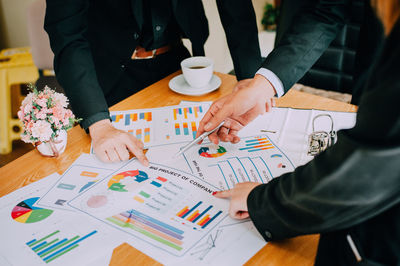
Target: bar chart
142,134
257,144
116,118
175,234
150,227
129,118
170,209
186,129
196,216
158,126
187,112
186,120
52,246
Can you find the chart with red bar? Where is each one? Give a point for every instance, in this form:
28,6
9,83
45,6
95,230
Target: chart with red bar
198,214
253,159
170,209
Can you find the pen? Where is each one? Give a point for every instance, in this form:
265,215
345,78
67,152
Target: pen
354,248
199,138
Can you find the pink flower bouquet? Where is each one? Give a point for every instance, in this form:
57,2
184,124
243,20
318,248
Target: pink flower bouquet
44,115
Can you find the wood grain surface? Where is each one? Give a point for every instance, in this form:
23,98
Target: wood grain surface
32,166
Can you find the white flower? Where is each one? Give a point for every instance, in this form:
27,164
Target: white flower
60,99
42,130
28,99
41,115
42,102
26,138
28,108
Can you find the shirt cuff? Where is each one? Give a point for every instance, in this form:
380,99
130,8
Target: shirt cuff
273,79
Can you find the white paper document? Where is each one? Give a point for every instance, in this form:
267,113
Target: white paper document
31,235
168,208
290,128
253,159
164,212
86,171
157,126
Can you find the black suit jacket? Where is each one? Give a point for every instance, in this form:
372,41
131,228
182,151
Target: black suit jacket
304,37
93,39
351,188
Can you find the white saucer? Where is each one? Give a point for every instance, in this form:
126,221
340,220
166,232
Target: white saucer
179,85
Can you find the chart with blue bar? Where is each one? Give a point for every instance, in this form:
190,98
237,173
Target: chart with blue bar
52,246
185,121
170,209
158,126
253,159
197,216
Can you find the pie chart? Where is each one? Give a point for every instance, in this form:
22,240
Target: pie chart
120,182
205,152
25,212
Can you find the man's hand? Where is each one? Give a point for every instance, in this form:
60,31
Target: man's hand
238,195
249,99
113,145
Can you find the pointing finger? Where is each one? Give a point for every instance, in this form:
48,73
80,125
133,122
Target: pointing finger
238,214
206,118
138,152
223,194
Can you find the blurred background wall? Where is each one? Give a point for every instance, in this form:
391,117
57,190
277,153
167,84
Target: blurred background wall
13,23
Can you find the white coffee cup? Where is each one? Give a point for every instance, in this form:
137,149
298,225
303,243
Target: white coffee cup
197,71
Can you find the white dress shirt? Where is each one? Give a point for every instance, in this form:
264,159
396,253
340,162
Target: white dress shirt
273,79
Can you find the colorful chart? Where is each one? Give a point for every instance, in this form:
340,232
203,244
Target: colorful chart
49,250
205,152
25,212
138,133
158,182
119,181
257,144
150,227
186,128
193,215
132,117
253,159
185,111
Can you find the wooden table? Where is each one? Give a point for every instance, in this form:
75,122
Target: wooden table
32,166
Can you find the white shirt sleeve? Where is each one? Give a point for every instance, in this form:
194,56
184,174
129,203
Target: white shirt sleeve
275,81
